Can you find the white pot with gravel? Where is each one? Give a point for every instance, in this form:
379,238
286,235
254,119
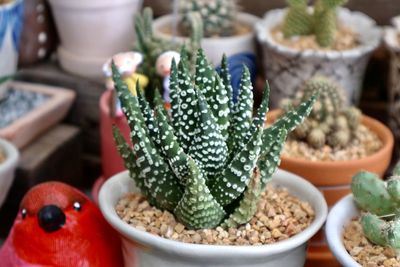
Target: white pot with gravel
142,248
9,157
289,62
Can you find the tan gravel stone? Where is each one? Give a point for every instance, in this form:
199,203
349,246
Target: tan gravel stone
279,216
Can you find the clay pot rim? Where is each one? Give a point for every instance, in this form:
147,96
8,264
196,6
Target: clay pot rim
383,133
367,28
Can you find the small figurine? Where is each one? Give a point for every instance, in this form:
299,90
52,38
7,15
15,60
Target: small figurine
126,64
59,226
163,68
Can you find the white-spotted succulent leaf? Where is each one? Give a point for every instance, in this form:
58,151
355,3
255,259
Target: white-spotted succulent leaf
203,164
226,80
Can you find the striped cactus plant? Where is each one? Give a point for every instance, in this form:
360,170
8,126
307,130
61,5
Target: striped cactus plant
209,161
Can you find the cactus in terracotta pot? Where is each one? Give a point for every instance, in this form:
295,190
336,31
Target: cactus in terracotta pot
330,122
380,200
209,161
218,16
320,20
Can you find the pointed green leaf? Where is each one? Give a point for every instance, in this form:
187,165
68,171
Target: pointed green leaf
234,179
177,159
247,206
226,80
174,92
204,78
208,148
158,103
242,115
198,209
261,114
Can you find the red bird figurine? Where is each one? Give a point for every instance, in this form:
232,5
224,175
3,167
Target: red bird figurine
59,226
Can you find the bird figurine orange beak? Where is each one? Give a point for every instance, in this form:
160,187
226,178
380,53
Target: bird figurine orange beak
59,226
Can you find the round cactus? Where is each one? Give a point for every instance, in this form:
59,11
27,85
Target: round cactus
330,122
218,16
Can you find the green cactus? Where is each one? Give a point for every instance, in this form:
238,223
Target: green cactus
381,202
330,122
187,164
218,16
151,46
322,23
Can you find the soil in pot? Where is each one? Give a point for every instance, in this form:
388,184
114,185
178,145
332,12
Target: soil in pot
363,251
239,29
279,216
345,39
364,143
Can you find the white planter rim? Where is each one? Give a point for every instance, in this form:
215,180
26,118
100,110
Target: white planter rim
371,33
340,215
245,18
172,247
90,4
12,155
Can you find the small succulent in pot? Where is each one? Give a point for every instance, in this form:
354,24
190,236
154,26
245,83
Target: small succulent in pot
218,16
322,23
330,122
380,202
209,161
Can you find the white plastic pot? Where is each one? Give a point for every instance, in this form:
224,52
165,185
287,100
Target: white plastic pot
287,68
7,168
215,47
10,31
141,248
91,31
339,216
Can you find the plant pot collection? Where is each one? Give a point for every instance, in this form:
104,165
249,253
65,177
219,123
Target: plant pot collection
206,177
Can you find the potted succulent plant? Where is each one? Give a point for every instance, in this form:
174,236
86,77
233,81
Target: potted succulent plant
363,228
10,30
332,144
88,41
203,171
392,42
301,41
226,30
9,156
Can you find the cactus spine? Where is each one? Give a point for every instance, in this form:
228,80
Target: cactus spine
330,122
218,16
381,202
322,22
209,153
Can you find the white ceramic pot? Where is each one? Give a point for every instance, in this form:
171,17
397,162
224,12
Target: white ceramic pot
340,215
287,68
144,249
215,47
7,168
392,42
91,31
11,19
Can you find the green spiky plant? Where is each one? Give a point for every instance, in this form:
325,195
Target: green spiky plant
218,16
210,160
331,122
151,46
322,22
380,202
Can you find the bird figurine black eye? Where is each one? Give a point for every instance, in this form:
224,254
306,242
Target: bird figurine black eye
24,213
51,218
77,206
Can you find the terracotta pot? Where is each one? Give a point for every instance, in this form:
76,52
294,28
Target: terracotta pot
141,248
91,31
286,68
333,179
111,160
214,48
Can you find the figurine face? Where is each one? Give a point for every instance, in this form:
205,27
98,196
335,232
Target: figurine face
126,63
164,61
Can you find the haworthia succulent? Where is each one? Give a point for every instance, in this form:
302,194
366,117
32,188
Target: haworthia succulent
226,80
201,163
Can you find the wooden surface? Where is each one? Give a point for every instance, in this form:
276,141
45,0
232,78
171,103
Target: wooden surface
56,155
